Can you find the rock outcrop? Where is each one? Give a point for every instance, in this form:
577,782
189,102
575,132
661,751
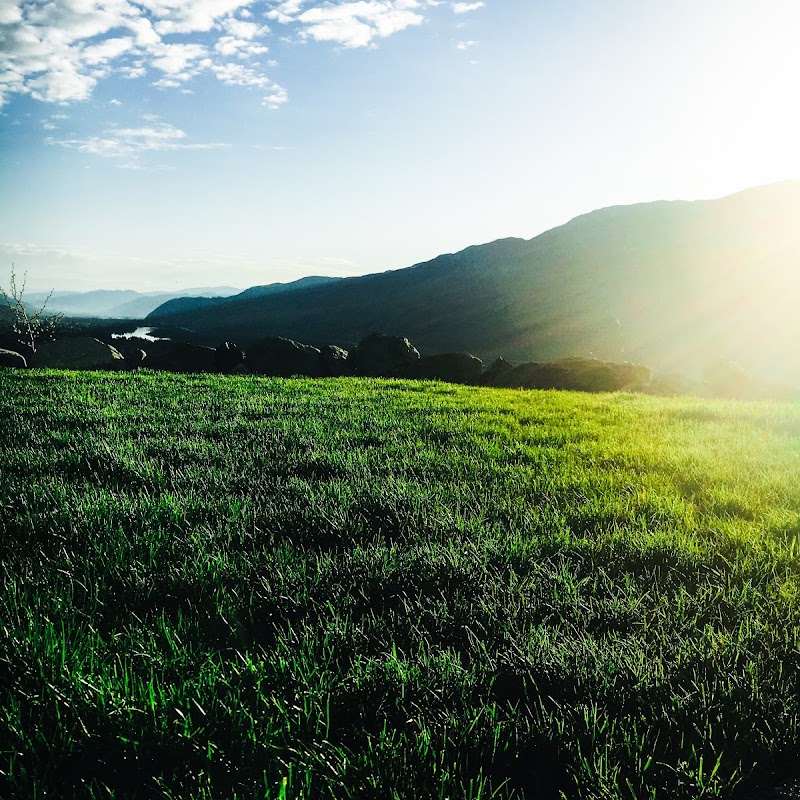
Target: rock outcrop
450,367
495,370
11,358
281,357
577,374
381,356
335,361
228,356
132,351
164,354
728,379
82,352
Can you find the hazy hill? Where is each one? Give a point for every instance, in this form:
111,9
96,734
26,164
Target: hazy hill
117,303
673,284
190,305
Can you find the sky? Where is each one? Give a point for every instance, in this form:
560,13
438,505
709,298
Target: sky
166,144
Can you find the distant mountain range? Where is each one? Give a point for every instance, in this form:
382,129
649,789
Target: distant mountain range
116,303
191,305
675,285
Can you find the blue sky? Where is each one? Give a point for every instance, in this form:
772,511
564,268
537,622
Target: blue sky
162,144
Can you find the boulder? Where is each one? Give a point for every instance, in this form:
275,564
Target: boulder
673,384
164,354
496,369
281,357
380,355
577,374
11,358
228,356
450,367
334,361
132,351
728,379
81,352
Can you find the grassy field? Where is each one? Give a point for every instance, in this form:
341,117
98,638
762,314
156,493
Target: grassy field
238,587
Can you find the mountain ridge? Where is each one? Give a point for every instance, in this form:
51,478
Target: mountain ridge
181,305
674,284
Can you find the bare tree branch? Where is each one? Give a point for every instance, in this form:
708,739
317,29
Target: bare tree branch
30,328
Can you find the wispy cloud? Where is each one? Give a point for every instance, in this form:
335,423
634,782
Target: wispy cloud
127,145
465,8
466,45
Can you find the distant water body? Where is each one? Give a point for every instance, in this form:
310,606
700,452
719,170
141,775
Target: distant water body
139,333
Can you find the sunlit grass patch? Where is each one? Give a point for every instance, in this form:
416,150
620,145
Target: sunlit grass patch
360,588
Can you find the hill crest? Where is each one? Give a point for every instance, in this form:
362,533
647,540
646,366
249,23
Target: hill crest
674,284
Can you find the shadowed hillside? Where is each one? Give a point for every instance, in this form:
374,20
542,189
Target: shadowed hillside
672,284
190,305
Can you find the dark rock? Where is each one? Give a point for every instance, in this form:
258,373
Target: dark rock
135,357
380,355
82,352
241,369
673,384
576,374
132,352
228,357
11,358
727,379
334,361
281,357
450,367
172,356
496,369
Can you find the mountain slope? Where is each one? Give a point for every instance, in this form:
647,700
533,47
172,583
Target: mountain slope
190,305
674,284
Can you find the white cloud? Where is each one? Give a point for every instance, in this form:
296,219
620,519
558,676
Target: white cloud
127,145
465,8
9,12
57,50
190,16
146,35
239,48
239,75
466,45
244,30
275,98
351,24
107,50
178,59
63,82
286,11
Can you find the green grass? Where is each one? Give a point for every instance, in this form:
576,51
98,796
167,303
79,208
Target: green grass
239,587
